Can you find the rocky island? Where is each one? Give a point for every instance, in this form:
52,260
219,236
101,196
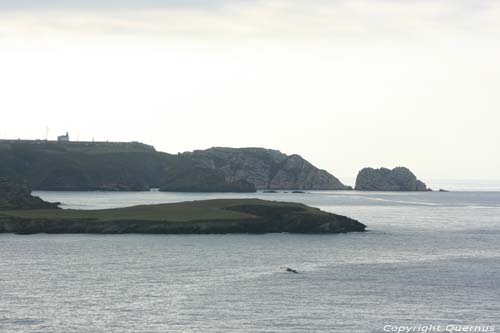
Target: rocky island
383,179
197,217
133,166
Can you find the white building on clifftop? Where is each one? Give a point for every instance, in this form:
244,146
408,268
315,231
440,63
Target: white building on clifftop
63,138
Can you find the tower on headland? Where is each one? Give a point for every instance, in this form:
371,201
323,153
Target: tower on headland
63,138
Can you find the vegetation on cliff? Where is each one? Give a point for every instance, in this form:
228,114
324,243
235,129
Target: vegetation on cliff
87,166
196,217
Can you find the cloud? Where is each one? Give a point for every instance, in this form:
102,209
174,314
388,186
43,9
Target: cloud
275,19
106,4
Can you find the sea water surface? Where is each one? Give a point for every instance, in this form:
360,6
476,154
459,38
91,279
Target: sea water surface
427,259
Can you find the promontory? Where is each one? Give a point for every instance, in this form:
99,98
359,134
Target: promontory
196,217
133,166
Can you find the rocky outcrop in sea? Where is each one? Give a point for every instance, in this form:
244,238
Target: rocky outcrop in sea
383,179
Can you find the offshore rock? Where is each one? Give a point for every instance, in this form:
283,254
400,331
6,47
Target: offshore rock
383,179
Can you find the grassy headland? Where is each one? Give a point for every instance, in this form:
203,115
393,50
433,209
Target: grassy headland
197,217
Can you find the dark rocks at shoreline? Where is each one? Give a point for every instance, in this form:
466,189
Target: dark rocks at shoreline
383,179
15,193
206,185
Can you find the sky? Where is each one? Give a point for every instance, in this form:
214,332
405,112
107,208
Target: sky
344,83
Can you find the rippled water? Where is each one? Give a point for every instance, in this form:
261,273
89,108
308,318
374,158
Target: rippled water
428,258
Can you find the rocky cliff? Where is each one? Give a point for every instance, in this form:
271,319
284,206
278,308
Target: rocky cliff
383,179
88,166
15,193
265,168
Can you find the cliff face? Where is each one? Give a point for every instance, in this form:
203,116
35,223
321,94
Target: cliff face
15,194
397,179
265,168
82,166
87,166
192,178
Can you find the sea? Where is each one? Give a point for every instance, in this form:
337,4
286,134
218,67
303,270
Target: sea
429,262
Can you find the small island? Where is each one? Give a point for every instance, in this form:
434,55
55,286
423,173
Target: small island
383,179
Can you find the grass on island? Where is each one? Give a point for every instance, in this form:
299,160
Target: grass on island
173,212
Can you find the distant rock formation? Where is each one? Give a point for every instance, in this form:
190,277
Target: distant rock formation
265,168
397,179
132,166
15,194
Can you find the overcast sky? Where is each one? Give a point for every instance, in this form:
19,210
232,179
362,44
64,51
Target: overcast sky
346,84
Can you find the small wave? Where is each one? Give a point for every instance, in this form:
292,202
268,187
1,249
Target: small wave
22,321
482,206
404,202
